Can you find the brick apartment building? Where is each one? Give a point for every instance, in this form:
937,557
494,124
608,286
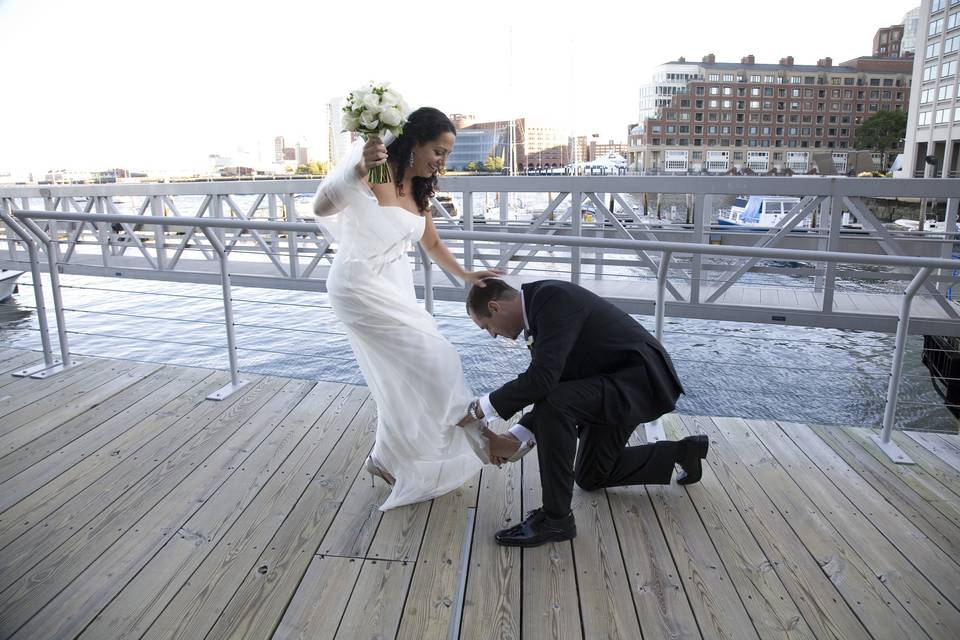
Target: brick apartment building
717,116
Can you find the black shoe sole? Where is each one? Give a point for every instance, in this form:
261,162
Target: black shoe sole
559,537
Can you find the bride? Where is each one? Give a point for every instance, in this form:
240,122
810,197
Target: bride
413,373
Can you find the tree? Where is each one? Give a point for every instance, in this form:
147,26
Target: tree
882,131
301,169
472,166
493,164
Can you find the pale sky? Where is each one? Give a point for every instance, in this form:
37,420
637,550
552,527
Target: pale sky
91,84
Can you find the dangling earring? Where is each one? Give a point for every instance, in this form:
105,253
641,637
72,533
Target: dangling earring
410,163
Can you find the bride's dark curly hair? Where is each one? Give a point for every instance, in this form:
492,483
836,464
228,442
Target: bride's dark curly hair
423,125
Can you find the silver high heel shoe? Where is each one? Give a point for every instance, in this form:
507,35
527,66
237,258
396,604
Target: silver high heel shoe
374,470
477,440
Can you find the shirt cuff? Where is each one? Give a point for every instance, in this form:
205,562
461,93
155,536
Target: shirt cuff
522,434
489,413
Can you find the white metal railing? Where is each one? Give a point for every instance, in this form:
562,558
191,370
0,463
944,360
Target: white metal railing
25,225
292,260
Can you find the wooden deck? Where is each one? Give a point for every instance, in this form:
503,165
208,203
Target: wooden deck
130,507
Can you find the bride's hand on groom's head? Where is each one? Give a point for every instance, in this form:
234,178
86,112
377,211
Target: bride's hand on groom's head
477,277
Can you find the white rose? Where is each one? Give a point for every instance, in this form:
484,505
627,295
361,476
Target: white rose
356,98
350,122
368,120
391,116
371,101
404,108
389,98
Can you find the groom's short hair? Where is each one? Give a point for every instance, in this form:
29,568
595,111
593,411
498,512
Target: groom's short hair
479,297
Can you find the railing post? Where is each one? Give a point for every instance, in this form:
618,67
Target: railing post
700,223
427,278
903,322
159,233
235,382
293,244
65,361
468,226
832,244
48,359
660,310
576,220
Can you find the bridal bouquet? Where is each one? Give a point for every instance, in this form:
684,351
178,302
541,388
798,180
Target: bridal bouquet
375,110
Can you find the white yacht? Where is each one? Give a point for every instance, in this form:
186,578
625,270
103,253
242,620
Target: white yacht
8,283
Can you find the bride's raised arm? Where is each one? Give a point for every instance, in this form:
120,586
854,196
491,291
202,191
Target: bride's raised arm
344,182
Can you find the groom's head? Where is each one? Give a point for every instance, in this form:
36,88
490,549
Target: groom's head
495,307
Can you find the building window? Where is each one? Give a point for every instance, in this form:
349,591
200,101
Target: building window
795,80
933,50
923,119
936,27
951,45
929,73
926,96
936,5
715,77
755,79
948,69
943,115
954,20
956,114
728,77
944,92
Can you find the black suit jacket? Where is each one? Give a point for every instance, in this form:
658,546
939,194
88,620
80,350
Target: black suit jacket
576,334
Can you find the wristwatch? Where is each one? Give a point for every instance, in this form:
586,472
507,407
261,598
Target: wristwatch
474,410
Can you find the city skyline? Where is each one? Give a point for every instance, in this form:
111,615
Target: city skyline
214,77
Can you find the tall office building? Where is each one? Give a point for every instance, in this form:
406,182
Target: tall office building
933,128
338,141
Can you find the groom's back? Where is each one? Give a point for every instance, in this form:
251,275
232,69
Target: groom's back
608,337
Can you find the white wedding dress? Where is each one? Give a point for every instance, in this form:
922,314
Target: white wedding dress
413,373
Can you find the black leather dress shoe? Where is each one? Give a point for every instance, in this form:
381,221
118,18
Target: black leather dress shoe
694,450
538,528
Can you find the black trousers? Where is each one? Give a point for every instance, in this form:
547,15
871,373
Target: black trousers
575,409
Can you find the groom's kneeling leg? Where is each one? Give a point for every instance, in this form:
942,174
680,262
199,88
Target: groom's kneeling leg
604,460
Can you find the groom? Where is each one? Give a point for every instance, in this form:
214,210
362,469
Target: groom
595,374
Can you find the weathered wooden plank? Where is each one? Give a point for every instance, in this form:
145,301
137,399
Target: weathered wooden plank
87,432
492,600
944,479
377,601
31,398
433,592
265,475
658,593
551,608
318,605
69,408
906,486
606,606
221,445
243,587
357,520
99,478
852,506
814,589
868,596
768,603
714,601
933,443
